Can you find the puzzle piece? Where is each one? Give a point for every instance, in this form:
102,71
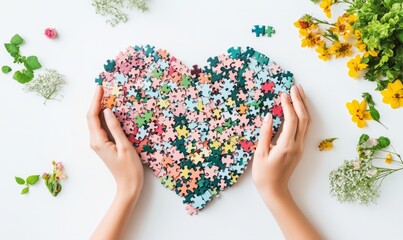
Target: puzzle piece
195,128
269,31
259,30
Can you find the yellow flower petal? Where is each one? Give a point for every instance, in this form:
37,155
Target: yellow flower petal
393,94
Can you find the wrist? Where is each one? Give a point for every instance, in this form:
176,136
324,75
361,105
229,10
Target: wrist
273,197
131,192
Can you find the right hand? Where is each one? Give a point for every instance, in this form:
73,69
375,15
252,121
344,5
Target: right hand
274,165
119,156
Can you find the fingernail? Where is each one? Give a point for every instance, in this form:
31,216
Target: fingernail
285,96
108,113
300,88
294,89
267,118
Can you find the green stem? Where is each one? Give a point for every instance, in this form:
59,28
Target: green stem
381,124
394,153
398,155
321,21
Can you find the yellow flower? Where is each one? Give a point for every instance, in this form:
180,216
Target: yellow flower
352,18
389,158
370,52
311,38
360,45
340,49
303,24
326,144
325,5
358,34
324,53
359,112
393,94
355,65
342,27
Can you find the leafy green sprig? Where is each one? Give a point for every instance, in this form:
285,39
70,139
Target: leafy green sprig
381,25
31,63
372,110
28,182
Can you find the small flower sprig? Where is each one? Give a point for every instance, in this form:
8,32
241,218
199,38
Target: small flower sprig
326,144
52,180
363,111
28,182
359,180
114,9
47,85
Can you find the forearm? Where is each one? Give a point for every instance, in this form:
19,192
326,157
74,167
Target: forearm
290,218
115,220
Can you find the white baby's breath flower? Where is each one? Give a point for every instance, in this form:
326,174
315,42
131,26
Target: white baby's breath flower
47,85
349,184
114,9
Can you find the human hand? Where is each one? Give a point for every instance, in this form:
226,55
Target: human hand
124,163
119,156
274,165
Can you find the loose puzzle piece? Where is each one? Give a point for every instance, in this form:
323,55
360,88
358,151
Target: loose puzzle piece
263,30
259,30
269,31
196,128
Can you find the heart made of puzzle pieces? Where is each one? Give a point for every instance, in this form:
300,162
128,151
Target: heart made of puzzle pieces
195,128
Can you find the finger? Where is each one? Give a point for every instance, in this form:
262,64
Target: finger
263,146
115,129
302,115
305,101
94,124
290,120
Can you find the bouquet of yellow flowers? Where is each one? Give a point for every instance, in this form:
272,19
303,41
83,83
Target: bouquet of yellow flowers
371,33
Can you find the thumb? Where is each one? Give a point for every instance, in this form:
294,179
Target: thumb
115,128
263,146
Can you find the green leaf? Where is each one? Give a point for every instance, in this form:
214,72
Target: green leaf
19,180
12,49
368,98
29,74
381,85
383,142
32,63
374,113
6,69
16,39
32,179
22,77
364,137
25,190
399,35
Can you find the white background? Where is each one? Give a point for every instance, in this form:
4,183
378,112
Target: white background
33,134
